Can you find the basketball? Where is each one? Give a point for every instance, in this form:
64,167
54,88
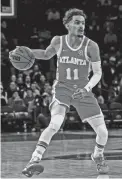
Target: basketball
22,58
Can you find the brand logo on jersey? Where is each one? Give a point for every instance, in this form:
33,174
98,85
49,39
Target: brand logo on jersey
72,60
80,52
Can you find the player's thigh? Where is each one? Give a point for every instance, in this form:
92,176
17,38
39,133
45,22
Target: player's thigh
88,108
60,101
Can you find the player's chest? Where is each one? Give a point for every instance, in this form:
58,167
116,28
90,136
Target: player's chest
73,61
72,57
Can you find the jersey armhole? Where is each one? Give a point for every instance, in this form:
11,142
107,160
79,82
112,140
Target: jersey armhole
86,47
60,48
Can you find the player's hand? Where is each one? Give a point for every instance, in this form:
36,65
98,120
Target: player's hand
21,50
80,93
12,52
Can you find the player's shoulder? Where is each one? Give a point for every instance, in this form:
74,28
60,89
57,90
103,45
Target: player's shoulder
55,40
92,45
93,51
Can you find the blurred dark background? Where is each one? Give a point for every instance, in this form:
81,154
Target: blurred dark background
25,96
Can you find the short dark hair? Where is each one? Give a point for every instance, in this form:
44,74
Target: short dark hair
72,12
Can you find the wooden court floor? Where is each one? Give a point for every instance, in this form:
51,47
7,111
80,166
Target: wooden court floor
68,155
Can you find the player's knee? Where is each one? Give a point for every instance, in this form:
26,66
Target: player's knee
57,108
102,135
106,133
102,131
54,127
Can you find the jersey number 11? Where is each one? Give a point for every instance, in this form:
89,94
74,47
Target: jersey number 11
75,72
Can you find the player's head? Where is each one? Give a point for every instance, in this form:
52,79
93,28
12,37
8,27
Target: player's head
74,21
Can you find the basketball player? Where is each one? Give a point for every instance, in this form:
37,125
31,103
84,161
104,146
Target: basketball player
76,54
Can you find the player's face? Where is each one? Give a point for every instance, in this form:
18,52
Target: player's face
77,25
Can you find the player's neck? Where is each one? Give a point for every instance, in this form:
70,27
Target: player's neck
74,40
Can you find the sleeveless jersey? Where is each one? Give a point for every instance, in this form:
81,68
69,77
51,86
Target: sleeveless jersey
73,65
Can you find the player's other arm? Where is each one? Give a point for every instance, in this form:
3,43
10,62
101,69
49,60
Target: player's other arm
94,54
50,51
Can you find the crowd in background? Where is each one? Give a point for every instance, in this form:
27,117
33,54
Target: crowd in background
35,25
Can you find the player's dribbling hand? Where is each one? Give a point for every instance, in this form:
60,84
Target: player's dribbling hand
20,50
12,52
79,93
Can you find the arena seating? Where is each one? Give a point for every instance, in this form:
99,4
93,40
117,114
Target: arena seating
115,110
17,116
14,119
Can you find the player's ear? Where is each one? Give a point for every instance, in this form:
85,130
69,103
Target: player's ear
67,26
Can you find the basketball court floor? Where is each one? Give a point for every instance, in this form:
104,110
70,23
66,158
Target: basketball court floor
68,155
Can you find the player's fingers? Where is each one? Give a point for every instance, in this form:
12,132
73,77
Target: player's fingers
10,53
77,90
77,93
24,47
75,96
81,97
19,50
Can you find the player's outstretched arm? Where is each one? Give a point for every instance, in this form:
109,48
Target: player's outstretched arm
50,51
94,54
